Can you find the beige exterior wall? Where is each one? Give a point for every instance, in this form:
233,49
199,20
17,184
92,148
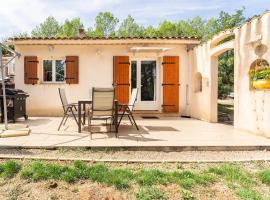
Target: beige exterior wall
94,71
252,108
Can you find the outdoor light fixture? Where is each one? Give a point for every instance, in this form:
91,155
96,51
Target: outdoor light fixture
256,41
50,48
99,52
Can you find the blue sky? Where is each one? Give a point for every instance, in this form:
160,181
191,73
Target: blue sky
23,15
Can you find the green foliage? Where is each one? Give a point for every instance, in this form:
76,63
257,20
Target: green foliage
151,176
9,169
248,194
70,28
264,176
259,74
243,183
129,28
227,21
149,193
150,31
168,29
105,24
49,28
188,179
232,174
225,74
239,180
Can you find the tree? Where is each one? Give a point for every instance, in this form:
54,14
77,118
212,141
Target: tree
225,74
226,60
150,31
129,28
209,29
227,21
70,27
167,29
49,28
105,24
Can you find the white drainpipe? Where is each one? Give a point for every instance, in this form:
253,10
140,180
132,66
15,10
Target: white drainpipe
187,88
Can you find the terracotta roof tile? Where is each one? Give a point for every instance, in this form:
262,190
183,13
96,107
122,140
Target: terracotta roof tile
101,38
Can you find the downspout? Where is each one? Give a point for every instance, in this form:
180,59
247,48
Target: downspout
187,86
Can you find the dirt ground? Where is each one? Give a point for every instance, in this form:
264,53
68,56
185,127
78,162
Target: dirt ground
18,188
86,190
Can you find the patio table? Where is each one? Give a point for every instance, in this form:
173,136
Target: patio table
83,103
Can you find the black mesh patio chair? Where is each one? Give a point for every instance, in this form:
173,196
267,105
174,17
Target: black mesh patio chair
102,107
126,109
70,109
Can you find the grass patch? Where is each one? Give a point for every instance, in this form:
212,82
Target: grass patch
248,194
264,176
120,178
9,169
39,170
152,176
149,193
238,180
246,185
189,179
233,174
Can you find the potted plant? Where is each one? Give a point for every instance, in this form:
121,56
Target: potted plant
260,78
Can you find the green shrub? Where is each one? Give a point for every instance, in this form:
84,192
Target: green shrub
233,174
188,179
262,73
9,169
35,171
151,176
120,178
265,176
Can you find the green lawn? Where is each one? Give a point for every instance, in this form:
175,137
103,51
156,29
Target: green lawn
146,183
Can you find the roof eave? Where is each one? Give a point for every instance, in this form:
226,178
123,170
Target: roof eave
100,41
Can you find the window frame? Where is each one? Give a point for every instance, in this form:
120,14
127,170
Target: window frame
53,70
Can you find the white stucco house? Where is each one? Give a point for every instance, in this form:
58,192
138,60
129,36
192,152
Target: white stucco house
158,66
173,74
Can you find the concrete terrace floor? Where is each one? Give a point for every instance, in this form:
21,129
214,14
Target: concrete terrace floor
170,132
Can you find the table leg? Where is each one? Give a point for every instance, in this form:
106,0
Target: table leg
84,113
116,117
79,117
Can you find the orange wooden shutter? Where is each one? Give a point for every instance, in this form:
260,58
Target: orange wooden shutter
30,70
121,78
72,69
170,84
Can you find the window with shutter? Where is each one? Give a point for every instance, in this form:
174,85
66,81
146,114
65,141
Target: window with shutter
170,84
30,70
121,78
72,69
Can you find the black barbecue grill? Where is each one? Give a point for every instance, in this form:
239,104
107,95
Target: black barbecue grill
16,104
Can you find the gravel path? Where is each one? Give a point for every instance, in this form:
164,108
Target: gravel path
136,156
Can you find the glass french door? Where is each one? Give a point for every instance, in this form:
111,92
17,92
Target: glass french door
144,76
